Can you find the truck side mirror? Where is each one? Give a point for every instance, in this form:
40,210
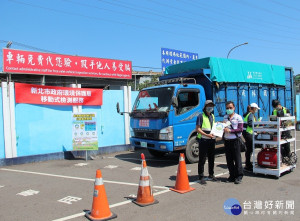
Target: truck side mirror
118,107
174,102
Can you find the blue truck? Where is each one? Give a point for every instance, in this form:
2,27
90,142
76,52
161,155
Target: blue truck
297,111
164,116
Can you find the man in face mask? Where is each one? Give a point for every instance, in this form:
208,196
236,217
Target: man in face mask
279,110
206,140
232,143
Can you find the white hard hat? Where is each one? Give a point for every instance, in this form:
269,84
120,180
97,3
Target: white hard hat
254,105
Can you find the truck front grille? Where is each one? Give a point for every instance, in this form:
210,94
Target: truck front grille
147,134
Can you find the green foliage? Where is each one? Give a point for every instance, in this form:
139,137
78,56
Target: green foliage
297,78
147,83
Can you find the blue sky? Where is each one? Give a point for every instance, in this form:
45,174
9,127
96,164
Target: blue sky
137,29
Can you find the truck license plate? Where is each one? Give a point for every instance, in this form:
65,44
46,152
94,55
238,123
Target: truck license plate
143,144
144,123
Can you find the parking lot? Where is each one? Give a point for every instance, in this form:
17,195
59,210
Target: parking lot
63,190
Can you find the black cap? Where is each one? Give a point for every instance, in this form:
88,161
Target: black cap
275,103
208,102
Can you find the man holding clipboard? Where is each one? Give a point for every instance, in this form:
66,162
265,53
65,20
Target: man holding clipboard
206,140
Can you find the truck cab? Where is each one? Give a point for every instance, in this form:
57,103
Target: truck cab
163,119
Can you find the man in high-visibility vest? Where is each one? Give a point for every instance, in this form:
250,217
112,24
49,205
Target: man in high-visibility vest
248,134
207,141
281,111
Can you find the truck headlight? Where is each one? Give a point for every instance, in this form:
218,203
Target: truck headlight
166,133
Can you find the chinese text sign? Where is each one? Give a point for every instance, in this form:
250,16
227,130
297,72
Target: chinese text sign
51,95
84,131
171,57
27,62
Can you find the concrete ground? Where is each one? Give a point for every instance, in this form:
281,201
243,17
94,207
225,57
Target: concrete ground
63,190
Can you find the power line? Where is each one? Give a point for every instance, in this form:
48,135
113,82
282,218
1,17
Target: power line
146,67
268,41
139,9
243,17
229,33
232,24
128,6
266,10
118,22
28,46
153,29
287,6
135,15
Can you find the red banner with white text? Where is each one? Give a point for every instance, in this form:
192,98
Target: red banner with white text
27,62
51,95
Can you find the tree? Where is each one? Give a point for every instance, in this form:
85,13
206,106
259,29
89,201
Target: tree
147,83
297,79
154,79
297,83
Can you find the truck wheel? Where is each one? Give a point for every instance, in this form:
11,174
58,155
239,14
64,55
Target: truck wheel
156,153
192,151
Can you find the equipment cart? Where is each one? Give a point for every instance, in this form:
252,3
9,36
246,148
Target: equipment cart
274,130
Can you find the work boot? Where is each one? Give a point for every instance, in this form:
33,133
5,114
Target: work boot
212,178
238,180
230,180
202,181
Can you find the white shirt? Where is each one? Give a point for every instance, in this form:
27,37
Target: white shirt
235,121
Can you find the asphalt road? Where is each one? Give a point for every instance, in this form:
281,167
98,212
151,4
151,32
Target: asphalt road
63,190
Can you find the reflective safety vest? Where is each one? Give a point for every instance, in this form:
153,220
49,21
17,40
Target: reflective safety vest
248,129
275,111
206,127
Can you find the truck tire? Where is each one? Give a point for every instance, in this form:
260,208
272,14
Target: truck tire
156,153
192,150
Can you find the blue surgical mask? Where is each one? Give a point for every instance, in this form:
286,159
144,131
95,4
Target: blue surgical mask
209,109
229,111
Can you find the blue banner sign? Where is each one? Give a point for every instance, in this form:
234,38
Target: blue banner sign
171,57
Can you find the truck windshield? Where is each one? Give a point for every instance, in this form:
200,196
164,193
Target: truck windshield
157,99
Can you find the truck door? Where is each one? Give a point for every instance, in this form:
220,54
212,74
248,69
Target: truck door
185,116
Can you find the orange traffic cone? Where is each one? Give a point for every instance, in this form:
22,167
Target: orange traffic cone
100,209
182,181
144,195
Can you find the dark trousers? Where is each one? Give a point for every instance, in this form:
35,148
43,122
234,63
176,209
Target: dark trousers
233,158
249,147
206,149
